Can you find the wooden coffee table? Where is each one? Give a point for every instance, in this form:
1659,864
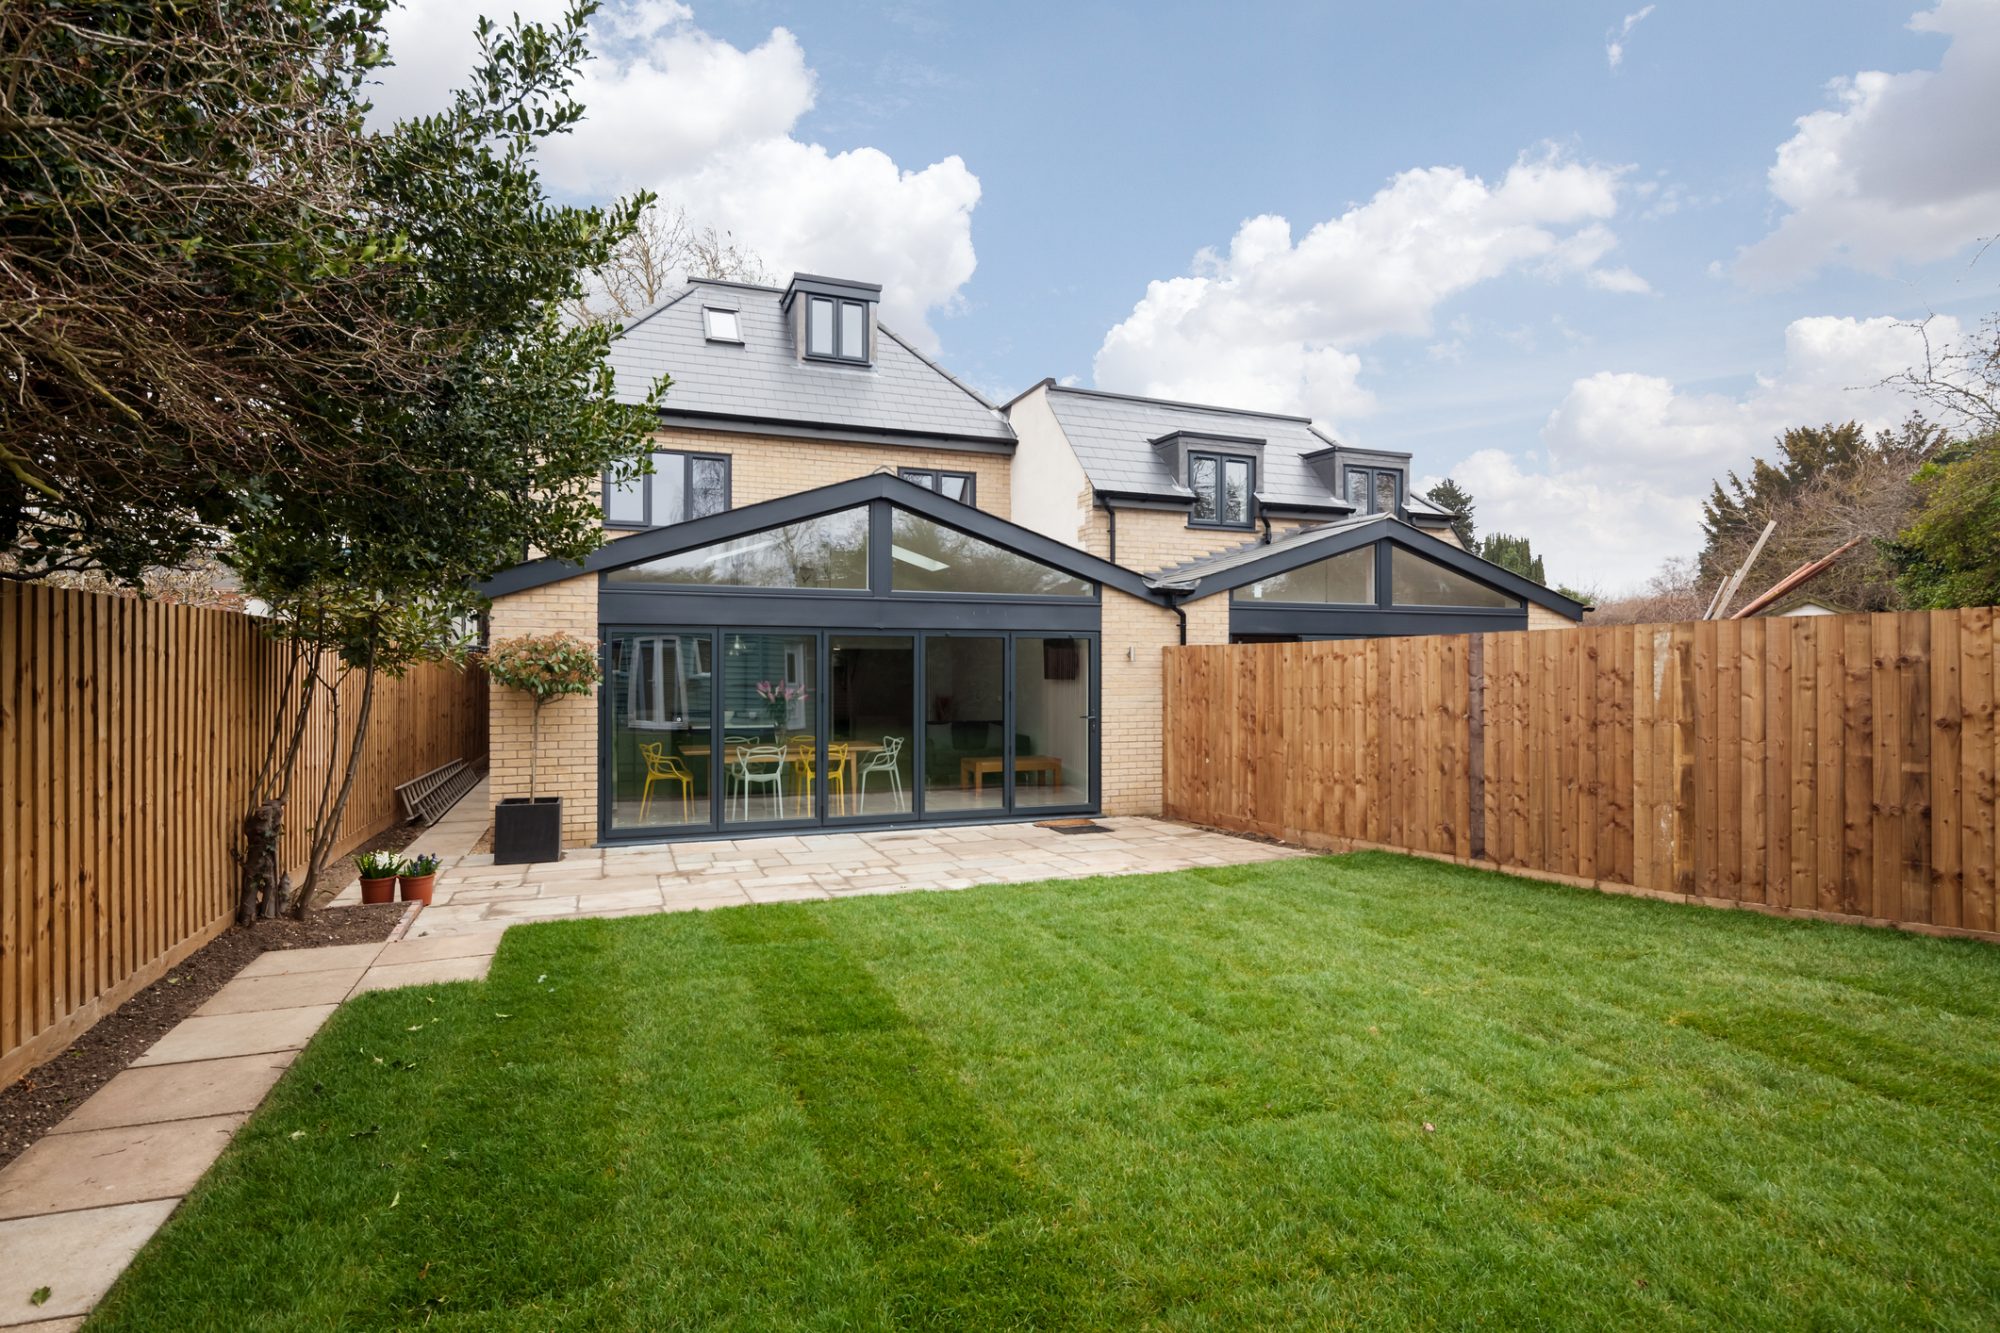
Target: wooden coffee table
972,772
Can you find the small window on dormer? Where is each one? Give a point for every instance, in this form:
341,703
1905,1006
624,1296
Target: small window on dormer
720,324
1375,490
1224,490
836,330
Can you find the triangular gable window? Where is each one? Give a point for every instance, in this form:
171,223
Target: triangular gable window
1347,579
930,557
1416,581
829,551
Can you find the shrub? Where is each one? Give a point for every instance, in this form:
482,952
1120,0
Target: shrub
545,667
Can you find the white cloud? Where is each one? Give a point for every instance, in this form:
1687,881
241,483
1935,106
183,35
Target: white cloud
1628,458
1275,323
1614,42
709,127
1906,167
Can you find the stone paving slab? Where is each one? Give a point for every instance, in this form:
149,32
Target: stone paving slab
64,1172
223,1035
284,990
277,962
77,1256
439,946
425,973
179,1092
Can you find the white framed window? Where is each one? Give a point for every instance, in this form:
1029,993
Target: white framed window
720,324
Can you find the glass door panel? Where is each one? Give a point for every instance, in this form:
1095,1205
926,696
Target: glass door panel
871,732
660,687
1052,720
770,731
965,725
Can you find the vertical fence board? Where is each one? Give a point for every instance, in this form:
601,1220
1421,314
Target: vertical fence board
130,735
1843,766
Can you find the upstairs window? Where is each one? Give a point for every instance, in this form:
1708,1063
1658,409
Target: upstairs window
1224,489
719,323
959,486
1375,490
682,486
836,330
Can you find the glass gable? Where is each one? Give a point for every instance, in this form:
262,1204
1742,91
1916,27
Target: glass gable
1347,579
1415,581
827,552
930,557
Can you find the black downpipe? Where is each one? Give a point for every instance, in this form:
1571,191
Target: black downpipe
1111,515
1174,605
1267,528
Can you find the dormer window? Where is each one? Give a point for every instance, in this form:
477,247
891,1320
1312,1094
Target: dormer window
836,329
719,323
833,319
1375,490
1225,489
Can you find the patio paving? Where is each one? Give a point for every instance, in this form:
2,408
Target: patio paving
473,895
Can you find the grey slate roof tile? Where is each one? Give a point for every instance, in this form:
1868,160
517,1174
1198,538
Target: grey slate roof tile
764,380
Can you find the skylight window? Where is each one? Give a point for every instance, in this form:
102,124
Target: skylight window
721,325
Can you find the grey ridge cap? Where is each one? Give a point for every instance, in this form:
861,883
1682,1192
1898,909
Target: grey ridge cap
1252,561
653,543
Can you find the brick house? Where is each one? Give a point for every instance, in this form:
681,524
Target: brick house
853,592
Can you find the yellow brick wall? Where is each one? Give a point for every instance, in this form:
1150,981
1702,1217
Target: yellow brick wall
1130,730
764,467
1540,617
1153,539
568,764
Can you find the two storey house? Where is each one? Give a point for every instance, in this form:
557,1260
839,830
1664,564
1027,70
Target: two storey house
853,592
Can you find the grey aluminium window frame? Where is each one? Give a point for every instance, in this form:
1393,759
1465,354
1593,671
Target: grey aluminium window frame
1374,474
1222,459
839,350
936,476
652,520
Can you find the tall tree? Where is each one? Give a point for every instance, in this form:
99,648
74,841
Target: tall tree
662,251
1456,500
1515,553
1824,486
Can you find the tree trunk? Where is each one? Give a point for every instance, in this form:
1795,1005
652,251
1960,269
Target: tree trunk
327,831
534,746
261,833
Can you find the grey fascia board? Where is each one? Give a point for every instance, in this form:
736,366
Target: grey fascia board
840,288
1193,437
1145,499
654,543
818,430
1046,382
1366,456
1174,402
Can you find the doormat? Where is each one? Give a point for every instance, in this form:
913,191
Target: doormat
1072,826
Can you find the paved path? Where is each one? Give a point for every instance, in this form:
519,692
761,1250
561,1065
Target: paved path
76,1206
473,894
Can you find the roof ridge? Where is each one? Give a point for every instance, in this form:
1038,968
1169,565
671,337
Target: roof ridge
644,315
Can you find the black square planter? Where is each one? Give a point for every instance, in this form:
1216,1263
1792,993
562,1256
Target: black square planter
527,829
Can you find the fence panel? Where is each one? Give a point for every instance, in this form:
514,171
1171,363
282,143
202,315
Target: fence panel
1834,766
130,735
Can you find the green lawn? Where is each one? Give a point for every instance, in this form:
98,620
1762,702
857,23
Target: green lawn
1344,1091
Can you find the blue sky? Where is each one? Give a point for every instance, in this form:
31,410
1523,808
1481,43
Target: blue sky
1582,284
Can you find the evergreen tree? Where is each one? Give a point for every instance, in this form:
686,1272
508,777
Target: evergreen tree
1456,500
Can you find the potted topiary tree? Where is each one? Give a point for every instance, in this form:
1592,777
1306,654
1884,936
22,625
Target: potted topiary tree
545,667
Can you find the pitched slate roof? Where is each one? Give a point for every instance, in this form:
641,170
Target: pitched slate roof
1251,552
1112,435
763,380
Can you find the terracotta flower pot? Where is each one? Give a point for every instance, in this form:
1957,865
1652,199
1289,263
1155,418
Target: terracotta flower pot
417,888
381,890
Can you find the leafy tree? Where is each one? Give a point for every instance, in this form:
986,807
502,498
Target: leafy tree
1513,553
188,293
545,667
1950,554
1455,499
498,449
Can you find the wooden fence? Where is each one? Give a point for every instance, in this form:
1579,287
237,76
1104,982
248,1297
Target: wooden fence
130,733
1838,766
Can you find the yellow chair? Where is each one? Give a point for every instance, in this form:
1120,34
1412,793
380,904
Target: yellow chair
663,767
804,751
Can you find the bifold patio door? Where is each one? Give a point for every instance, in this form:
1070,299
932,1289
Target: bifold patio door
711,731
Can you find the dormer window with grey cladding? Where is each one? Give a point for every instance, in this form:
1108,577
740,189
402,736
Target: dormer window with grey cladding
1220,472
833,319
1374,490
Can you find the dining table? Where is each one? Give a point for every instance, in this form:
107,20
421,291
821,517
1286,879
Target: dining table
856,751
